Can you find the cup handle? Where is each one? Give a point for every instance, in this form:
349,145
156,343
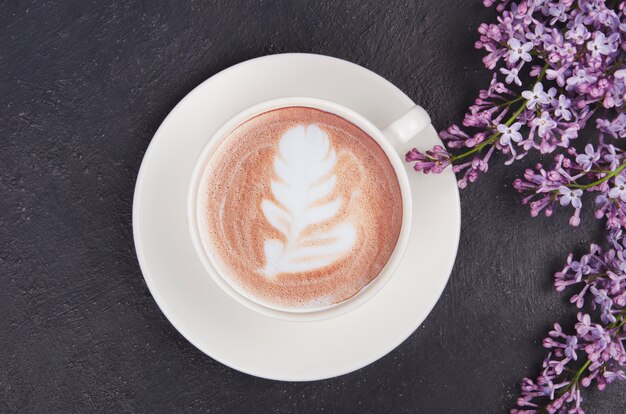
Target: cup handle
400,131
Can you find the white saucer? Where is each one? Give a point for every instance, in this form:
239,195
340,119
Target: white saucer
226,330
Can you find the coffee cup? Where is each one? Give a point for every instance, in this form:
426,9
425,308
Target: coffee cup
357,215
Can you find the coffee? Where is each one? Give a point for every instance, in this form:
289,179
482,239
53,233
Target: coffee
302,208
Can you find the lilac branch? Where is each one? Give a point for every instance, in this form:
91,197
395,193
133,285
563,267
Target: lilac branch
574,52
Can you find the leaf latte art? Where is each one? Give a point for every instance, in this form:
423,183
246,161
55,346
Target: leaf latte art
303,209
305,167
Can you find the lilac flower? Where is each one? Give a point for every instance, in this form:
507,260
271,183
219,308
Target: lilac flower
511,75
615,128
558,12
587,159
580,268
509,133
571,343
536,96
579,34
619,190
557,74
551,94
612,157
600,343
591,9
600,45
581,79
519,51
570,196
579,46
569,134
602,299
537,35
562,108
544,123
584,324
611,376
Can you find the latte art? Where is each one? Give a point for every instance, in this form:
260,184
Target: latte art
303,209
304,166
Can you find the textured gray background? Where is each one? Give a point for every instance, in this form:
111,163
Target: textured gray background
83,87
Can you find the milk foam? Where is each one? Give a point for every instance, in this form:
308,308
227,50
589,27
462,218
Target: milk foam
304,166
302,208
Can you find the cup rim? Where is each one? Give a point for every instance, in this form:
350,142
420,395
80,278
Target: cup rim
202,252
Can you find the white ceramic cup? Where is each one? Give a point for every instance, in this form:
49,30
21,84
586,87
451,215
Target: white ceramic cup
392,140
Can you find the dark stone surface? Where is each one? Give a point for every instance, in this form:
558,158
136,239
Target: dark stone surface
85,84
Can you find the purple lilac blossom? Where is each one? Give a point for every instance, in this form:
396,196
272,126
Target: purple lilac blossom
572,58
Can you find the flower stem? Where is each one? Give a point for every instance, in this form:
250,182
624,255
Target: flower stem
591,278
601,180
508,122
511,102
580,371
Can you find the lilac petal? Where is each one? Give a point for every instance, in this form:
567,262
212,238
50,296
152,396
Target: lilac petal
614,192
